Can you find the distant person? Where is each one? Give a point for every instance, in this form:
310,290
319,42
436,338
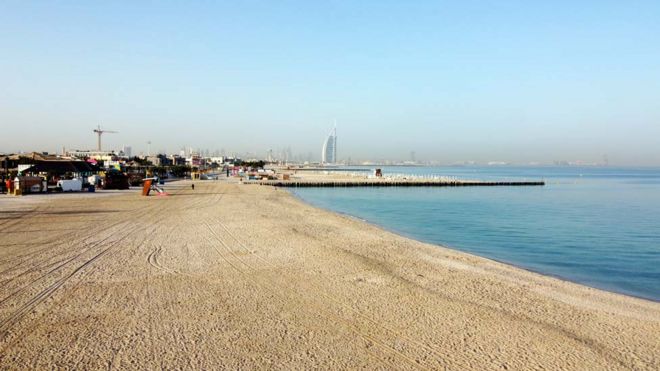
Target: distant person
193,186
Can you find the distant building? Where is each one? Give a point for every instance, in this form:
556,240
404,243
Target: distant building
195,161
160,160
127,151
329,152
177,160
96,155
155,160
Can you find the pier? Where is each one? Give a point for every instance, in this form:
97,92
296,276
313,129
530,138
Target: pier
392,183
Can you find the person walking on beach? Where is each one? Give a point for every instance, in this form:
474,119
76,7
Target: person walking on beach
193,186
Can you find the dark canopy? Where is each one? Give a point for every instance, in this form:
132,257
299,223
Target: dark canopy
60,167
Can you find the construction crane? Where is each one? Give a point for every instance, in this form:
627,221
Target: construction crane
100,132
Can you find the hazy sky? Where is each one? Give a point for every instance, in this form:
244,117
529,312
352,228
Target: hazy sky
464,80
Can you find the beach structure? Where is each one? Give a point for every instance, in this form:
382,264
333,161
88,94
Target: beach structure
329,152
40,165
29,184
64,175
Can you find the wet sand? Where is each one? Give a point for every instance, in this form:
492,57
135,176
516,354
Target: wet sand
244,276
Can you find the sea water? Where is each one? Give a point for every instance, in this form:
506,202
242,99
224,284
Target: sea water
599,226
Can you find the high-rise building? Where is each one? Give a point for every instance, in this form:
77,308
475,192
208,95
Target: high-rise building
329,153
128,151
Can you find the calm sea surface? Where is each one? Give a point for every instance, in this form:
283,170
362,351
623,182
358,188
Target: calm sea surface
595,226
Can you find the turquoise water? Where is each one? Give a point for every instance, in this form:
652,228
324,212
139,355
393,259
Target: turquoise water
595,226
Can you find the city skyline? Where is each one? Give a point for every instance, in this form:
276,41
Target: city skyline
533,83
286,154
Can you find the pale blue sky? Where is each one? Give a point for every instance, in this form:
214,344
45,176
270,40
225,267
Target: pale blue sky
465,80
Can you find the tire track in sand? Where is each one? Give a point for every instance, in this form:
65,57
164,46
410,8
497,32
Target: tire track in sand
275,290
446,356
46,293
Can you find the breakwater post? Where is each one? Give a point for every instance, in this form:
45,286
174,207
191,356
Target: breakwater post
392,183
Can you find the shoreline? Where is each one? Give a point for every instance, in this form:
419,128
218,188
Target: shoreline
233,276
458,250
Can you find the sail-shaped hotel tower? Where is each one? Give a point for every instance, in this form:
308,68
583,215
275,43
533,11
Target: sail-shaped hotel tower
329,153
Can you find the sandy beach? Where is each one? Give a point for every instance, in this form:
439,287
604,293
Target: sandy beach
232,276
